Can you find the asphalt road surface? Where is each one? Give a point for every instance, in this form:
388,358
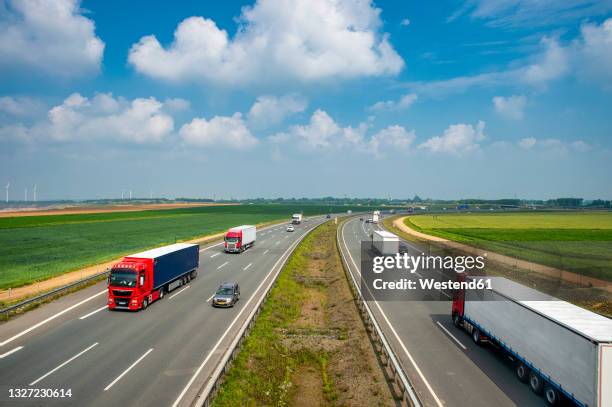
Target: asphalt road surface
161,356
445,366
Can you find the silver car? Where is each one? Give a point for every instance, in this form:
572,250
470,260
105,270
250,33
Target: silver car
227,295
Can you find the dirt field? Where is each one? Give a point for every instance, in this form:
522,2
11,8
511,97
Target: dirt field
71,210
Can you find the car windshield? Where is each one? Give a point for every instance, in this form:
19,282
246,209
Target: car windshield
231,239
123,278
224,291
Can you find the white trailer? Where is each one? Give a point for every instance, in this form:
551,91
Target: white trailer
375,217
558,348
385,242
240,238
296,219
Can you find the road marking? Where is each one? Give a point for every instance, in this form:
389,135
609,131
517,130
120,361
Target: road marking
261,241
63,364
397,337
210,247
128,369
178,292
215,255
11,339
451,335
222,338
277,242
223,265
248,265
210,298
10,352
267,250
93,312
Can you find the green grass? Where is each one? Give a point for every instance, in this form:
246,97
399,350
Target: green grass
262,372
33,248
580,242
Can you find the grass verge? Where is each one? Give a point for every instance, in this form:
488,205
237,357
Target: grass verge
308,346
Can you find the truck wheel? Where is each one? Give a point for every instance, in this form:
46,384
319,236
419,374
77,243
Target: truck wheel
551,395
161,293
145,303
476,336
521,371
457,320
194,274
536,383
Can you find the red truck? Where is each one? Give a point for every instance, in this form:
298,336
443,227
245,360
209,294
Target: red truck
240,238
138,280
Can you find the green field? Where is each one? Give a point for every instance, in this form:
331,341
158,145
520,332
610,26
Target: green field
580,242
33,248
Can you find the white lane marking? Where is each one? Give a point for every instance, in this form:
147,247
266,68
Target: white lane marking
210,298
277,243
10,352
397,337
215,255
128,369
94,312
267,250
222,338
451,335
210,247
178,292
223,265
261,241
248,265
63,364
11,339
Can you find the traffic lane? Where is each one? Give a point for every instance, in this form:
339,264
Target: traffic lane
137,336
477,376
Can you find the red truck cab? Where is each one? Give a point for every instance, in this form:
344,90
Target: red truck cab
130,284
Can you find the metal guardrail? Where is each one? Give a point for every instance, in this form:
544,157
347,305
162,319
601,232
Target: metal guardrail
207,393
390,360
6,311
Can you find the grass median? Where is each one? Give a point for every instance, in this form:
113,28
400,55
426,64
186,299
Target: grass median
308,346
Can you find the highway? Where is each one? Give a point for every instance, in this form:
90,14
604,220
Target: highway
161,356
444,365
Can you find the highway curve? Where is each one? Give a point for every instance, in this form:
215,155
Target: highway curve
444,365
161,356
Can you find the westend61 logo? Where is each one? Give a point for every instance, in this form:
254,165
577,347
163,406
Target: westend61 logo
420,277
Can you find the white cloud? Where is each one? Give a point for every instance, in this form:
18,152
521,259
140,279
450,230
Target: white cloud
50,36
527,143
554,145
513,13
220,131
405,22
403,103
20,106
177,104
594,53
270,110
552,64
102,117
394,137
457,139
512,107
304,40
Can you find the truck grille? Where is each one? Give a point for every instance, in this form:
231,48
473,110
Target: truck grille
122,293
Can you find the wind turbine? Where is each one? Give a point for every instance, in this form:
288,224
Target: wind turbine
34,191
8,185
26,194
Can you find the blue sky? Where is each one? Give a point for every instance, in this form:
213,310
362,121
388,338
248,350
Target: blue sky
448,99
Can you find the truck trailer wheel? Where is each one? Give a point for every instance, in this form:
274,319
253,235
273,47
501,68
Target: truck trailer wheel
521,371
194,274
161,293
551,395
476,336
536,383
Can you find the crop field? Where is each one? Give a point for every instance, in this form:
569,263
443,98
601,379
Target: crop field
33,248
580,242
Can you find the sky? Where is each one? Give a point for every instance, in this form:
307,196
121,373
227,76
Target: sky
306,98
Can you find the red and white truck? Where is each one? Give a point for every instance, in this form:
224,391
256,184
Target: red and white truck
561,350
138,280
240,238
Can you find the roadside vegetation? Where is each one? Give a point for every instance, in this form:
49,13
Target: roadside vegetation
580,242
34,248
308,341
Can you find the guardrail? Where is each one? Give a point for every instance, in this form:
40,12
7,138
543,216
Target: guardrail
6,311
207,393
389,359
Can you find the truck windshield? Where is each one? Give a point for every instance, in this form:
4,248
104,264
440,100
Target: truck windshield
122,278
232,239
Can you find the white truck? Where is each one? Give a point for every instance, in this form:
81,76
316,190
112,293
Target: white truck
375,217
240,238
386,243
561,350
297,218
